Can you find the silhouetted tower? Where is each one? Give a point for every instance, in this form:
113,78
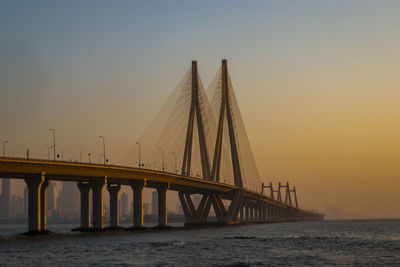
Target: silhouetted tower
226,111
288,198
295,196
279,198
195,110
271,189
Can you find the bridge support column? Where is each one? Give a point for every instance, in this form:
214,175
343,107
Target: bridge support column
269,213
264,212
273,214
251,213
137,188
97,187
260,212
34,184
280,217
84,189
242,219
43,206
113,190
247,215
162,205
278,214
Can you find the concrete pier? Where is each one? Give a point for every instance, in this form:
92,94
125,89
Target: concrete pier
264,212
162,205
113,190
84,189
43,205
137,187
97,188
34,183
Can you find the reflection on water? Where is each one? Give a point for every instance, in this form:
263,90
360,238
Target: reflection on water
365,242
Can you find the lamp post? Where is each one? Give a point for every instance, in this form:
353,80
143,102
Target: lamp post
80,155
104,149
89,156
140,163
162,156
54,141
4,148
175,170
48,151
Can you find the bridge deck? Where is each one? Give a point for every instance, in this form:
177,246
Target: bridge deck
20,168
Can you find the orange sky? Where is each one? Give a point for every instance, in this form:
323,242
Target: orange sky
318,86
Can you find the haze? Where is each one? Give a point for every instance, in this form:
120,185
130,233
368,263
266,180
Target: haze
317,82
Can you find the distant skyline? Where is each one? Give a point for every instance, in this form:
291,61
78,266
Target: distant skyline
317,83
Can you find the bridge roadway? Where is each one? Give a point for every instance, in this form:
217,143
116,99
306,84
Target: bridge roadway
245,206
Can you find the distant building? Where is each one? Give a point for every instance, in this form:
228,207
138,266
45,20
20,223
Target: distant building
16,207
68,202
146,209
50,205
123,204
154,203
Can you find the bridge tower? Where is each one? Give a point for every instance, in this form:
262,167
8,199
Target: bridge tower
288,197
195,112
226,111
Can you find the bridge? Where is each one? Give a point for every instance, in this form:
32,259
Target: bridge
215,157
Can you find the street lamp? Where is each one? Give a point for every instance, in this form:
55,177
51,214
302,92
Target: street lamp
54,141
4,148
140,163
89,156
104,148
48,151
162,156
80,155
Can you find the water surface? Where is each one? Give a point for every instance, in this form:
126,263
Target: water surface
363,242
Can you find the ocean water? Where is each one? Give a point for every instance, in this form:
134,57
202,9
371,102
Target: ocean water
358,242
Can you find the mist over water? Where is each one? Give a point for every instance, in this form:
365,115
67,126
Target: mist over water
356,242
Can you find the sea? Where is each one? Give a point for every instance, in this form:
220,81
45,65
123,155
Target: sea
322,243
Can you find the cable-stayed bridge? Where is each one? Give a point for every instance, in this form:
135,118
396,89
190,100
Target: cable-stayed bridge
193,146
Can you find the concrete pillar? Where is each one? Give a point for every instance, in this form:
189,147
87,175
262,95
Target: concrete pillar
113,190
241,213
34,184
273,213
247,213
279,214
264,212
43,205
260,212
97,198
269,211
84,188
251,213
162,205
137,188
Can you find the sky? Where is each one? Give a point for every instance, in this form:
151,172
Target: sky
317,82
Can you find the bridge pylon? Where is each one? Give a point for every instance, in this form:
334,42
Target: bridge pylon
226,112
195,112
